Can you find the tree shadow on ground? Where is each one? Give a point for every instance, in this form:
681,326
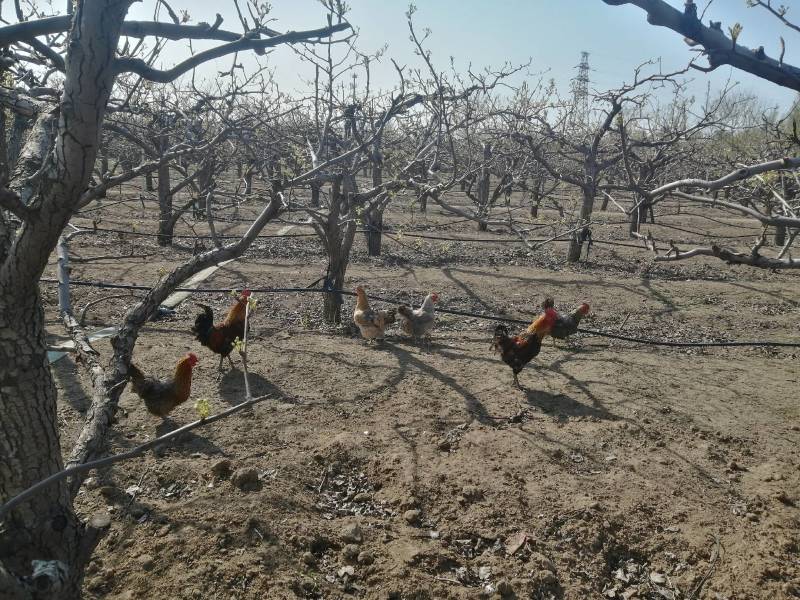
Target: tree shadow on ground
232,390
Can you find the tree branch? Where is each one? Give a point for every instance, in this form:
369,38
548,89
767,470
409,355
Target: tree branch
92,438
141,68
733,258
719,49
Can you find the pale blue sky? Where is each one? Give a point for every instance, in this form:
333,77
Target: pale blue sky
550,32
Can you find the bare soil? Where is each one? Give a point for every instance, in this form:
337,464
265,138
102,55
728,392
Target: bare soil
621,470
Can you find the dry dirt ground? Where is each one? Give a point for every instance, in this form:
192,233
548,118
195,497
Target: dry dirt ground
399,472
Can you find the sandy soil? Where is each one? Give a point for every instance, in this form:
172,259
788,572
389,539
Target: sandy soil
619,471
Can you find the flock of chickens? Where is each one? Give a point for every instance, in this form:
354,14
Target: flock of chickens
161,396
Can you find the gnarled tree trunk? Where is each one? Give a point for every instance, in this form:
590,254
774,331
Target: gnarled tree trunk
576,241
45,527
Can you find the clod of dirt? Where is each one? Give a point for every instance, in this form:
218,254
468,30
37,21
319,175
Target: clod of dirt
309,559
410,502
412,516
791,588
350,552
146,562
222,468
365,558
108,491
352,533
246,479
346,572
504,588
545,578
515,542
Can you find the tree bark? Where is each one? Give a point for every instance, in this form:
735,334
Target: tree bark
575,243
46,527
248,178
166,224
16,137
338,240
373,218
483,188
315,190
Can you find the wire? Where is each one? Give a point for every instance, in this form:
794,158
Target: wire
120,286
386,231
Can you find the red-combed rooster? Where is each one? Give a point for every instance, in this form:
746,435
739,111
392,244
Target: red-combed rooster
566,325
219,338
517,351
161,396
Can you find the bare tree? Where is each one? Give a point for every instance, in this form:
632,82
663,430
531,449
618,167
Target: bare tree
48,545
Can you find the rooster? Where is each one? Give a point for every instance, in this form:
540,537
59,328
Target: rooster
371,323
517,351
419,322
219,338
566,325
161,396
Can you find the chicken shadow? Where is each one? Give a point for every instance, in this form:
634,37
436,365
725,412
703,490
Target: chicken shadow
186,443
564,406
473,405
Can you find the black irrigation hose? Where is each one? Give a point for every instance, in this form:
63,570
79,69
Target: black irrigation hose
120,286
387,231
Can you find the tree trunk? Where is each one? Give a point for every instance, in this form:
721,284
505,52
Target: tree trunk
536,198
780,235
248,179
315,189
16,137
483,188
332,301
45,526
575,243
338,241
166,224
373,221
4,167
639,215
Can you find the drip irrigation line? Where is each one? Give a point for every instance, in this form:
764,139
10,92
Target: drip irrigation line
196,237
462,313
389,232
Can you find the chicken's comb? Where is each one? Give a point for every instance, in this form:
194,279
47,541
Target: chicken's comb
246,293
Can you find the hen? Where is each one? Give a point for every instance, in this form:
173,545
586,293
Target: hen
419,322
517,351
219,338
161,396
566,325
371,323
